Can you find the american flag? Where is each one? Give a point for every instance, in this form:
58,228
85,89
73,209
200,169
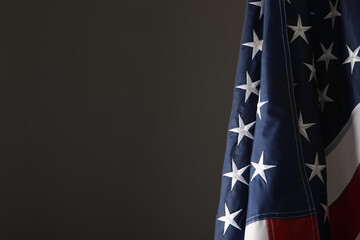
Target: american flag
291,166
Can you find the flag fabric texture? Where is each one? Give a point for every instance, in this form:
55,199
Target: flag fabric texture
291,166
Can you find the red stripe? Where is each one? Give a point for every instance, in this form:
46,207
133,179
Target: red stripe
345,211
293,228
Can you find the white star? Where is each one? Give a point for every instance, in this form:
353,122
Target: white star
312,69
327,55
259,4
249,87
326,211
228,219
259,105
322,98
316,169
256,44
299,30
353,57
333,13
242,130
260,168
303,126
236,175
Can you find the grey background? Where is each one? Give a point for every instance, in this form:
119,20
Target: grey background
113,116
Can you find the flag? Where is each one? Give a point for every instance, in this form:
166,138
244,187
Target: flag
291,166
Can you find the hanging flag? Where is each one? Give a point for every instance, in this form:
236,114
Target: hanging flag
291,166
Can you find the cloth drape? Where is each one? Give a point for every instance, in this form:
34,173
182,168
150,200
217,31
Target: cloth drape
291,165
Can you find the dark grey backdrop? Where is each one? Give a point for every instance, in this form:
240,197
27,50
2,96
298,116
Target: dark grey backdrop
113,116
